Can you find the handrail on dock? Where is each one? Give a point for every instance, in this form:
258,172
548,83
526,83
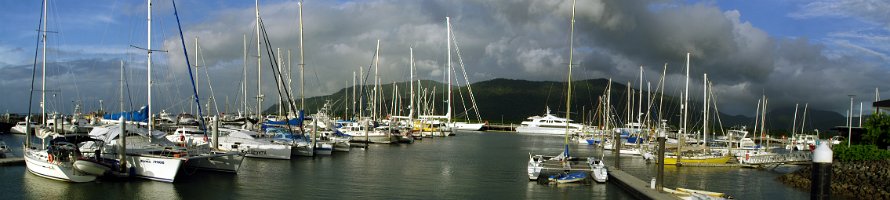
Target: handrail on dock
794,157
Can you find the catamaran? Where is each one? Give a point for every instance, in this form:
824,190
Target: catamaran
538,163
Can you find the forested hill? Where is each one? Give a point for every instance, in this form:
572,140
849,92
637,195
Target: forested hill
511,101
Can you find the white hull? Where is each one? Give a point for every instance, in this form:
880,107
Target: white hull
323,149
535,165
154,168
382,139
38,164
274,151
468,126
543,131
342,146
18,129
303,150
216,161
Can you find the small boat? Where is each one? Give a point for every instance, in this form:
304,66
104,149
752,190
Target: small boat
598,169
568,177
535,165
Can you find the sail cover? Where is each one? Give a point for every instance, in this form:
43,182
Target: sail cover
140,115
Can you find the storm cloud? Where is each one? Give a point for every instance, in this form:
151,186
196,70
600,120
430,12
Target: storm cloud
517,39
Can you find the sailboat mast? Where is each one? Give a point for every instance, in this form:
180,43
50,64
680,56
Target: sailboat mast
686,101
150,120
794,122
361,93
290,84
43,80
569,85
302,64
302,83
259,72
661,97
279,83
244,76
121,98
411,85
448,41
374,100
763,119
705,110
640,106
197,78
757,118
803,123
608,109
353,95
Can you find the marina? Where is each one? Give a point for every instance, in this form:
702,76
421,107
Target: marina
547,100
426,168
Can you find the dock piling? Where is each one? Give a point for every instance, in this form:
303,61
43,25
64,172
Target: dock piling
659,179
616,149
820,185
215,141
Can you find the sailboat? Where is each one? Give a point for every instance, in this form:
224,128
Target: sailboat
441,125
537,164
366,129
149,153
706,158
461,125
54,160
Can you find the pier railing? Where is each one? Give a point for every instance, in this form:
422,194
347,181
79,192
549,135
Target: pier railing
794,157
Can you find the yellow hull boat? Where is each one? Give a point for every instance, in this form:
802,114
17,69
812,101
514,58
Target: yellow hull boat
672,160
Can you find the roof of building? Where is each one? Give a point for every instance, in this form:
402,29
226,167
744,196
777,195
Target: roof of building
882,104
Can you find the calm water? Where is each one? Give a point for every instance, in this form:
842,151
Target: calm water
472,165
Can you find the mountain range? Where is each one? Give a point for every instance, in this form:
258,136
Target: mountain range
512,101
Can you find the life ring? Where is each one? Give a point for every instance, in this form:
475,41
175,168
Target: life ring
50,158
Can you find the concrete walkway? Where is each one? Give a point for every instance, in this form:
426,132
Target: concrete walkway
636,187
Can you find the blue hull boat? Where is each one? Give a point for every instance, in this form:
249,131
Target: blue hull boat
568,177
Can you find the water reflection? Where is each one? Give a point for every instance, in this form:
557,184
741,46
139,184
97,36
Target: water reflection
467,166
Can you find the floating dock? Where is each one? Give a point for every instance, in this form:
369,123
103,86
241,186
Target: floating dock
12,161
499,127
636,187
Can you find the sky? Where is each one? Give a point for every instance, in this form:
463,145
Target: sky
814,52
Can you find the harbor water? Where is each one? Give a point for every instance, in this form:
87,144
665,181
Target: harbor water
471,165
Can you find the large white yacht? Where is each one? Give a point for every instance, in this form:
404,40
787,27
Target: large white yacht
548,125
